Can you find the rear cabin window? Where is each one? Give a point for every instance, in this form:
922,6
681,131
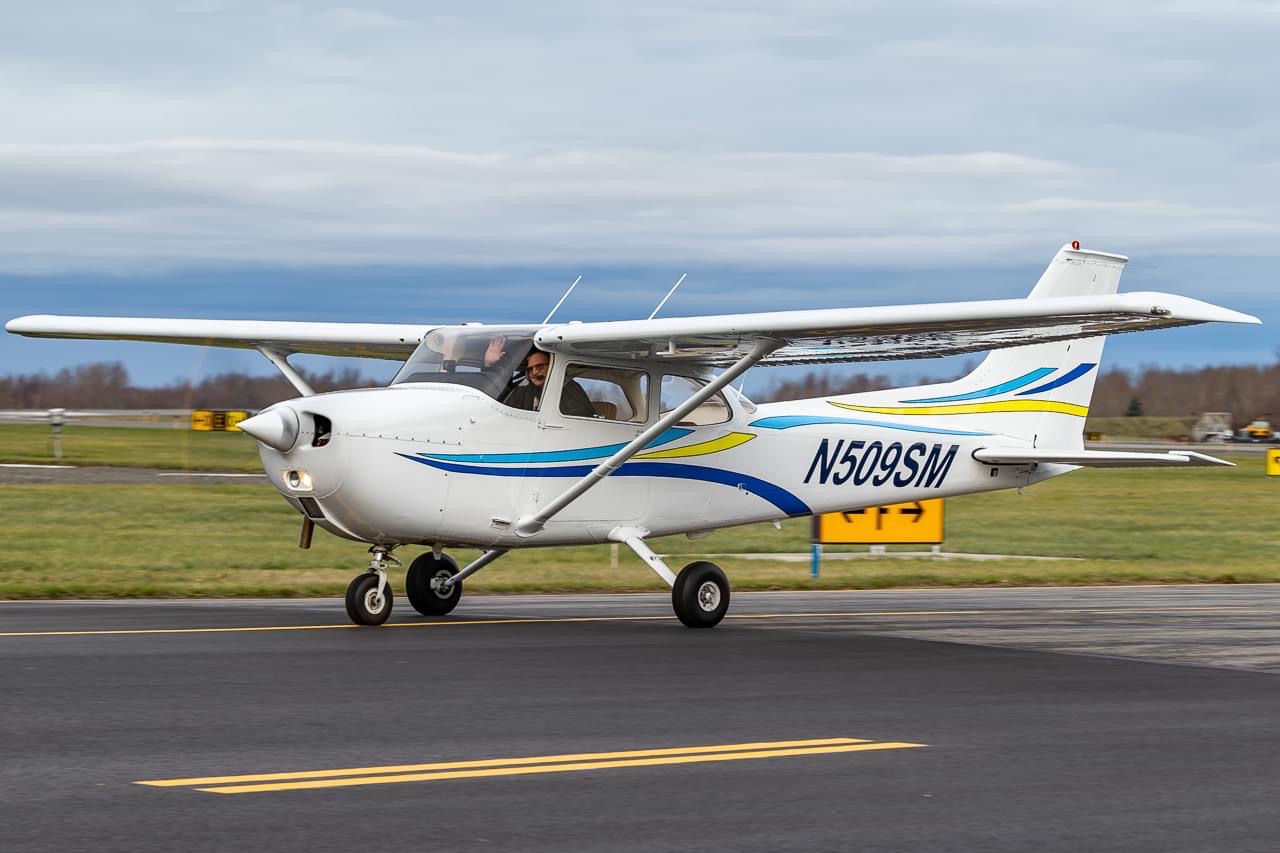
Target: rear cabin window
677,389
607,393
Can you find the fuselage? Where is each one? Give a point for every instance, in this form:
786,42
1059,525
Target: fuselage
444,463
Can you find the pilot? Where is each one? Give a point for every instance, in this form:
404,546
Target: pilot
573,400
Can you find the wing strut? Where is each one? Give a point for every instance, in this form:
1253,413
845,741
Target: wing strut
530,524
280,359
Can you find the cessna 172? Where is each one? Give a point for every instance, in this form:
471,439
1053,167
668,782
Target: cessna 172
630,433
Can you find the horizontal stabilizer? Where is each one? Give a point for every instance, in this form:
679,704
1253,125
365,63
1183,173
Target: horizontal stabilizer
1095,458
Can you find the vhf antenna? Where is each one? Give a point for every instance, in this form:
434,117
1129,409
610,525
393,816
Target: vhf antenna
562,299
668,296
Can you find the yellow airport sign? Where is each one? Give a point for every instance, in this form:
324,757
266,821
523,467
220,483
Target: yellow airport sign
1273,463
914,522
207,420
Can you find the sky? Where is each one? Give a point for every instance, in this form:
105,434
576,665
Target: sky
447,162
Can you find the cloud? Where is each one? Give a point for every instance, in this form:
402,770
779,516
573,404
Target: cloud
152,135
183,202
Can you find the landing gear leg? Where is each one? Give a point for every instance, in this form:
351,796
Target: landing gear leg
699,594
369,595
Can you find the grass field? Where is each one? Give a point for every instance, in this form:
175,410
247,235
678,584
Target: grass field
223,540
131,447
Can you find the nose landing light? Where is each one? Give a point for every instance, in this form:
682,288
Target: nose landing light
298,480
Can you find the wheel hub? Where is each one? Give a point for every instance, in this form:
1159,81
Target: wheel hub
373,602
438,586
709,596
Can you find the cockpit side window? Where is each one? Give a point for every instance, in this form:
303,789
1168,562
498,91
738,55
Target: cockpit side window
676,389
606,393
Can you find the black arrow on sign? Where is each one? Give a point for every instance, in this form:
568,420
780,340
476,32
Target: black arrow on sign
916,509
878,510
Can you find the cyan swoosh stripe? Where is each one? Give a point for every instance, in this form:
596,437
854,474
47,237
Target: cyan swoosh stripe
776,495
789,421
577,455
1076,372
1002,388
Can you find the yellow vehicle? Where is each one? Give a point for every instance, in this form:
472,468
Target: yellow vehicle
1259,430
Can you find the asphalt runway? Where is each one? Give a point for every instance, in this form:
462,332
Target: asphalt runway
1135,719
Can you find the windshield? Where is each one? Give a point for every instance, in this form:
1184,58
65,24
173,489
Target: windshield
480,357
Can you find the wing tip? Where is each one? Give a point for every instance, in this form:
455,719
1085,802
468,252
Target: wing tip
22,325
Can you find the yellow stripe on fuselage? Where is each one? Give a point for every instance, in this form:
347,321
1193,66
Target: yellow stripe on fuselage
702,448
1044,406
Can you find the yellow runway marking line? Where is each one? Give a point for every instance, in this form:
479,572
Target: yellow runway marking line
494,762
490,768
566,620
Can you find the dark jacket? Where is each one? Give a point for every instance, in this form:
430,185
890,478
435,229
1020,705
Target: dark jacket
573,400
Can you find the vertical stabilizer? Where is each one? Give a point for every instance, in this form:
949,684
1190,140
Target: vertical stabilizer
1038,393
1070,368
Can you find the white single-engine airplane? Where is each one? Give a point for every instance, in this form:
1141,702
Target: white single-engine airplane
629,433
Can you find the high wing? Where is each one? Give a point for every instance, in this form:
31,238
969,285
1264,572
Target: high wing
364,340
883,333
806,337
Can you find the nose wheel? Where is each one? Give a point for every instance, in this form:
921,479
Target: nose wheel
369,595
366,604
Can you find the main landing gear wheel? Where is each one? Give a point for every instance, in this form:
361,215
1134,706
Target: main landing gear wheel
364,605
422,585
700,596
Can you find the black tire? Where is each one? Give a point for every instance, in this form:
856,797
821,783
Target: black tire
700,596
361,593
418,589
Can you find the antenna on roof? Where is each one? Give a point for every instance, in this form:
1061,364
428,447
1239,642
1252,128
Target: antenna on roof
562,299
668,296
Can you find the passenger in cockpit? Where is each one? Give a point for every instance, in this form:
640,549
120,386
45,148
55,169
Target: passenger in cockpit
528,394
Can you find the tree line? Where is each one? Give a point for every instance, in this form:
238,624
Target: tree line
106,385
1247,391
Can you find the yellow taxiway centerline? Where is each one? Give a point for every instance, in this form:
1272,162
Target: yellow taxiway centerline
744,617
535,765
495,762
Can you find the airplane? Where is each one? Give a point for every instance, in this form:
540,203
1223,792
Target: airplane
635,431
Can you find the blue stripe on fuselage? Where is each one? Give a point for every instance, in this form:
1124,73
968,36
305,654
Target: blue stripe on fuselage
1076,372
776,495
575,455
994,390
789,421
